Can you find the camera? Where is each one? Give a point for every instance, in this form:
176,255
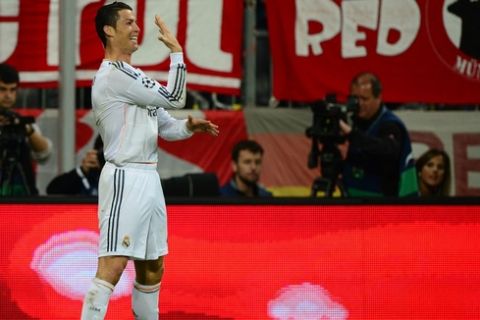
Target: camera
13,132
326,116
12,135
326,130
17,177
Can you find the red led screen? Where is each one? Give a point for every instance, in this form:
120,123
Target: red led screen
257,262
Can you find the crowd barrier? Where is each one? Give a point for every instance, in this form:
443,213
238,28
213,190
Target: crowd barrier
256,259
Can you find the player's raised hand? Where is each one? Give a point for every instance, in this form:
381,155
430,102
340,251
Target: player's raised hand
166,36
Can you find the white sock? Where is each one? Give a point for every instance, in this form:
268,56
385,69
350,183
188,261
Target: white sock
96,300
145,301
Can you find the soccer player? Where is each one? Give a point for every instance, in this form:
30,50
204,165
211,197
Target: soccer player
129,109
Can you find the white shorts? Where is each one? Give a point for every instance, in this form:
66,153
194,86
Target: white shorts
131,212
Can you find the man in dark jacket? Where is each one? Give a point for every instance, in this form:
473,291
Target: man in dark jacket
22,144
83,180
379,159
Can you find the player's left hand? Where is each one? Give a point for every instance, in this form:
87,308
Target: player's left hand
202,125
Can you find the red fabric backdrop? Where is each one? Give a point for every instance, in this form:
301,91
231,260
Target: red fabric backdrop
211,34
420,49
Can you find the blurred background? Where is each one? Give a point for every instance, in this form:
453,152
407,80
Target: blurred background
256,68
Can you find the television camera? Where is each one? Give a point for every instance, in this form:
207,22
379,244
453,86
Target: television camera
326,131
14,151
12,126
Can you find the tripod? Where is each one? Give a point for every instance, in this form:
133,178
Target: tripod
331,166
13,180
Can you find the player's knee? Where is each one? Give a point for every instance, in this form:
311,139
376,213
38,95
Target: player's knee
159,274
117,270
154,276
111,270
150,273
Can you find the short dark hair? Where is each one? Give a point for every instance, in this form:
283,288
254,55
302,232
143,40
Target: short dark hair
8,74
108,16
249,145
372,78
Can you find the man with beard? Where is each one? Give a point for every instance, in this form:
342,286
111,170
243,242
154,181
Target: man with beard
247,157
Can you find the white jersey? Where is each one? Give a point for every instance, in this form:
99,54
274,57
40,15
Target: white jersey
129,110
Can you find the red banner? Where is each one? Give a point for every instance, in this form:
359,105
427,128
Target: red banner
209,31
423,51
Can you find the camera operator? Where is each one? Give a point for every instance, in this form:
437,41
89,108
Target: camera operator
379,157
21,141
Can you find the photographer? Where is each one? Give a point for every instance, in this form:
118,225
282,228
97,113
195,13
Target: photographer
379,157
21,141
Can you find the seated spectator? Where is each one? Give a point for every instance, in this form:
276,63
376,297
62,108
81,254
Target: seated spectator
82,180
22,144
247,157
433,169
